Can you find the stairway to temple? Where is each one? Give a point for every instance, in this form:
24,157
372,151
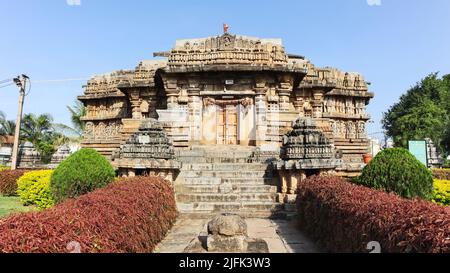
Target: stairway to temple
217,179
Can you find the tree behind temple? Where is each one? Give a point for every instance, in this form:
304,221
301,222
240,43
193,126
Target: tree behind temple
40,130
423,112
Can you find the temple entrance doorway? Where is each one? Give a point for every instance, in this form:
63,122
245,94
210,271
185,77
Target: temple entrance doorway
227,124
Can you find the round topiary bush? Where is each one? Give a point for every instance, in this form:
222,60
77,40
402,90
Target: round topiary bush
397,170
82,172
33,188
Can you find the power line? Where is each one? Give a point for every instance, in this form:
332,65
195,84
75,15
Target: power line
29,87
5,81
6,85
61,80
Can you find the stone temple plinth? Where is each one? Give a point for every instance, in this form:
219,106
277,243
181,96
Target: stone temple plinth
147,152
306,151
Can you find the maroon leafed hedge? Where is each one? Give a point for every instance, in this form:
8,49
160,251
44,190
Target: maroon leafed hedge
129,216
344,217
8,182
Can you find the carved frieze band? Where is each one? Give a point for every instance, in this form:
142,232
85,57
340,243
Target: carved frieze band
102,130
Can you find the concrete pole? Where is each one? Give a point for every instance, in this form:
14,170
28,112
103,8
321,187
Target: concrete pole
22,85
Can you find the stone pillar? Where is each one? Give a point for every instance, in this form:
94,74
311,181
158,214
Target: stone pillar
135,102
172,93
285,181
317,104
294,179
195,106
284,95
261,116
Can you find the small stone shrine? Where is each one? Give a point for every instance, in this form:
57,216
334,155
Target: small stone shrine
306,151
147,152
29,157
61,154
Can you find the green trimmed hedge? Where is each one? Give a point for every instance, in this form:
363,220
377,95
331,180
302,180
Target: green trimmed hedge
81,173
397,170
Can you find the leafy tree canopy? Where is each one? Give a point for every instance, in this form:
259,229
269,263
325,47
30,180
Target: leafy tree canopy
423,112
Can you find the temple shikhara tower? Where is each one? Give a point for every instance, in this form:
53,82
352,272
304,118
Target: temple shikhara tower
229,99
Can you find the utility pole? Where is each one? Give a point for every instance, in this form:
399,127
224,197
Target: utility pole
21,82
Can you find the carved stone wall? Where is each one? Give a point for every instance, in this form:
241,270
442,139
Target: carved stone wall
199,79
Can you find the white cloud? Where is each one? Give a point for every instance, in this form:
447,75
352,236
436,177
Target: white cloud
374,2
73,2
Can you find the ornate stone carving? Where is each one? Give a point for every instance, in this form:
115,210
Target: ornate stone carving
28,156
149,142
305,148
362,133
244,102
306,141
61,154
148,150
89,131
350,129
229,49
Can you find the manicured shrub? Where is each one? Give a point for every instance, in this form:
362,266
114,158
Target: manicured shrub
129,216
397,170
8,182
4,168
82,172
441,174
441,193
344,217
34,189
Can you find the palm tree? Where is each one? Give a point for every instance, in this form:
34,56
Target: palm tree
78,111
40,131
7,127
35,128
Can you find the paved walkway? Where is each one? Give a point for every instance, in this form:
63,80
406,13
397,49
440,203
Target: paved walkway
282,236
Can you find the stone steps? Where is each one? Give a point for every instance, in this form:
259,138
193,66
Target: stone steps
225,174
235,207
236,188
219,197
223,167
223,179
227,180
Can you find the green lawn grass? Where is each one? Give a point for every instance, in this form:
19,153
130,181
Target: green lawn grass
9,205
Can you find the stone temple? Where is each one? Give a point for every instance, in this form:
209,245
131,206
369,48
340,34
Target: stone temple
234,121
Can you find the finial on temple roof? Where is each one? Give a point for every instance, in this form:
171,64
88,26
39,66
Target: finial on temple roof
225,28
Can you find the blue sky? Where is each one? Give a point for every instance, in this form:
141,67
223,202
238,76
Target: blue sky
394,44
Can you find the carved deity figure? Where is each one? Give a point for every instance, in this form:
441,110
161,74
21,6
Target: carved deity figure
100,132
362,129
346,80
89,131
349,106
341,128
350,129
334,128
360,107
326,105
